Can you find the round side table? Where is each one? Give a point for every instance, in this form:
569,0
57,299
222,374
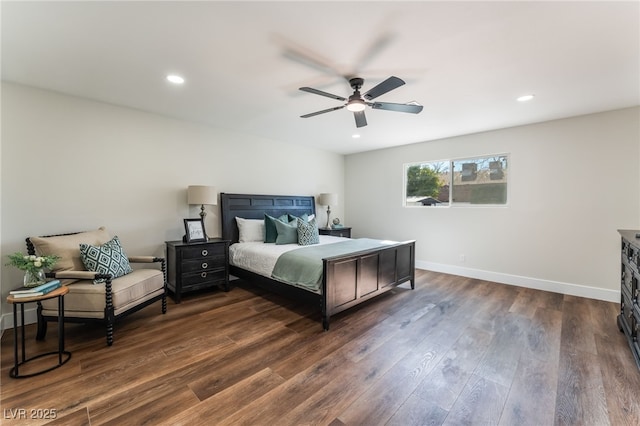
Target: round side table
63,356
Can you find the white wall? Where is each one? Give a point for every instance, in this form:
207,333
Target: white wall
572,184
70,164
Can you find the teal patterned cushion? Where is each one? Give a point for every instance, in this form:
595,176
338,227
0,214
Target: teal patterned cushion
108,258
308,232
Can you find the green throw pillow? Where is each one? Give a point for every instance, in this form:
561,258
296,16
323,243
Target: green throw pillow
308,232
108,258
287,232
270,232
304,217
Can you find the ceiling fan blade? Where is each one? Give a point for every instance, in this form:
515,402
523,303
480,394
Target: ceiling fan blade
322,112
384,87
305,56
361,120
387,106
372,50
321,93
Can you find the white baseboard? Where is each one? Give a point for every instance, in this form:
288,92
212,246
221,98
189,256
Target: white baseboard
30,317
520,281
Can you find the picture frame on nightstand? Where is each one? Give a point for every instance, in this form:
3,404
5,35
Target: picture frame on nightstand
194,231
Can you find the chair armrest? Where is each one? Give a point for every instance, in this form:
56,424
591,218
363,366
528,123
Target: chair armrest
75,275
81,275
145,259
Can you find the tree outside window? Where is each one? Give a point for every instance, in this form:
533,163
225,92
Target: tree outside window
427,184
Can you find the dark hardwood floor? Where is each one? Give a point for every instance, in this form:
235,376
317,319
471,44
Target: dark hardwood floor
453,351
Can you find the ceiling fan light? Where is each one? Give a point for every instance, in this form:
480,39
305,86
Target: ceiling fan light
356,105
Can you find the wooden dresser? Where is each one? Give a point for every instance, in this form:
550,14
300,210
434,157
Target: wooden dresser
629,318
197,266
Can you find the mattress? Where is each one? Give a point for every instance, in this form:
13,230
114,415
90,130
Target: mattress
260,258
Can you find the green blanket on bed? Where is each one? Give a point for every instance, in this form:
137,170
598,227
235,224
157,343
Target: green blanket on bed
303,267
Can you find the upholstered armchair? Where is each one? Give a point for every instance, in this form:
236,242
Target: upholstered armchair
102,285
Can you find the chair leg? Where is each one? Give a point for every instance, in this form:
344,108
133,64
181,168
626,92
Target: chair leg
109,314
164,303
42,328
109,333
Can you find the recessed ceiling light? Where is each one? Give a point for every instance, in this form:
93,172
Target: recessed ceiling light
356,136
525,98
175,79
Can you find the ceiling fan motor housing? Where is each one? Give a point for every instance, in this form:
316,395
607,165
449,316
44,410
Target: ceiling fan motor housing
356,83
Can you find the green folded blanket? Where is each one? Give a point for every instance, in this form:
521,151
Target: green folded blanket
302,267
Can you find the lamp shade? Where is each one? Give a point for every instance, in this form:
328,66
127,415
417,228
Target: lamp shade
328,199
201,194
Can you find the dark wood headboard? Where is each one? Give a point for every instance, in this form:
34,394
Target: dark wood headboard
253,206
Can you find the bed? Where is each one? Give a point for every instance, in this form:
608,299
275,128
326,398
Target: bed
347,279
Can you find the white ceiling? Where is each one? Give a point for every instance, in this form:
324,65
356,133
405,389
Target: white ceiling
243,62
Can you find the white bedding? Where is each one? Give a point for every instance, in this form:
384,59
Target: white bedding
260,258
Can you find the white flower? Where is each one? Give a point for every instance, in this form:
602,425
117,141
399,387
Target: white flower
32,258
26,257
37,264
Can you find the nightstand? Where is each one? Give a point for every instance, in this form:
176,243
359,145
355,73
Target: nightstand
336,232
197,266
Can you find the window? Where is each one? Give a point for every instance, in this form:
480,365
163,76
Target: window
469,181
428,183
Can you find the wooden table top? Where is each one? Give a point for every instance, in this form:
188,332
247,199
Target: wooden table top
61,291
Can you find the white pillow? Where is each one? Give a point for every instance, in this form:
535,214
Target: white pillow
250,229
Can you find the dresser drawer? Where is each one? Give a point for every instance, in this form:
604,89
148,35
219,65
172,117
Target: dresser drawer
629,282
626,314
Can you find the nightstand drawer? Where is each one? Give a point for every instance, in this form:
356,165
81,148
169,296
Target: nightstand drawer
202,264
208,277
344,232
203,251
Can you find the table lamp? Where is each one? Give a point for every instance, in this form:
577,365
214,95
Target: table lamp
328,199
203,195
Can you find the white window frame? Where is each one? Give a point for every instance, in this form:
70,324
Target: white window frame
451,203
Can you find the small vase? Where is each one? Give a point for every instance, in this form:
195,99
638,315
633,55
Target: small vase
34,278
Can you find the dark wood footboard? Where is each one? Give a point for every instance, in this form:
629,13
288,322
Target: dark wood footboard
352,279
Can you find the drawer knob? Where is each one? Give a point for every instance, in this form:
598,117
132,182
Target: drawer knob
203,275
205,265
205,252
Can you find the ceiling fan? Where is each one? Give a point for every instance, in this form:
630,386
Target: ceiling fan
357,103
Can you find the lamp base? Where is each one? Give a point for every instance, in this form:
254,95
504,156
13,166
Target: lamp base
328,217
